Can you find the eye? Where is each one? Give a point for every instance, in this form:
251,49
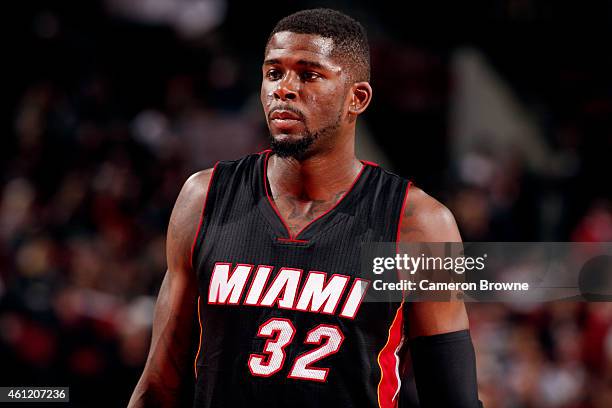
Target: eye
273,74
309,76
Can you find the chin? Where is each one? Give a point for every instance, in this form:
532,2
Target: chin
297,146
287,137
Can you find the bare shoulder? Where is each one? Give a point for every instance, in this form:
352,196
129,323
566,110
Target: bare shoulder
191,198
196,185
185,218
425,219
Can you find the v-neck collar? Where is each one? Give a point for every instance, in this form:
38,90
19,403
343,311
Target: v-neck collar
273,216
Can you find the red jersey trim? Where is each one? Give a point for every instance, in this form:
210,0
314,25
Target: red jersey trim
388,362
401,216
369,163
195,362
388,358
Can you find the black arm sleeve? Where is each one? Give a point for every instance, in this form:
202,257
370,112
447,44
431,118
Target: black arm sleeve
445,370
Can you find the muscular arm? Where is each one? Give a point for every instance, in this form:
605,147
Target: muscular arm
169,365
426,220
443,357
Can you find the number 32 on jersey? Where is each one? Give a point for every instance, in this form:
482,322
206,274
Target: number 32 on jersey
280,333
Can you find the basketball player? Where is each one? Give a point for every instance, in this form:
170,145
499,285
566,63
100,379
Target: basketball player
263,254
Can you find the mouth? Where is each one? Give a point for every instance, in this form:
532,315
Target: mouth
284,119
283,114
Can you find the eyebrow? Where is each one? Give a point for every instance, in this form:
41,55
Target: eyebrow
302,62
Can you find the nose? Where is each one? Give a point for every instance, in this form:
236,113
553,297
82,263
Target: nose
286,90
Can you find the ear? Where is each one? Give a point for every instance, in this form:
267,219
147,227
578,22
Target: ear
361,95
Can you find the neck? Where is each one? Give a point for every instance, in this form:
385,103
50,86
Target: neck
319,177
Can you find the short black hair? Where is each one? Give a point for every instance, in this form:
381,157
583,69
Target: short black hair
349,36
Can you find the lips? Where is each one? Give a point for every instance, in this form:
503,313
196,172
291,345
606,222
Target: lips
284,115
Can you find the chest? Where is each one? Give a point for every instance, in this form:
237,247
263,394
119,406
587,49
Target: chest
298,214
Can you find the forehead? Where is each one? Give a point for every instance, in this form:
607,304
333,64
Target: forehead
286,44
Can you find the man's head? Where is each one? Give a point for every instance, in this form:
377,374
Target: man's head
315,73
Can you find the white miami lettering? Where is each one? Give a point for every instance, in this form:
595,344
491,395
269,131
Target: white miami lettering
318,294
354,299
286,282
258,285
222,285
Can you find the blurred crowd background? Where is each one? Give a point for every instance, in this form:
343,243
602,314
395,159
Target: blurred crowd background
500,109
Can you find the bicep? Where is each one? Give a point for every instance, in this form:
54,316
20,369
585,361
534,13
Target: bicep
175,309
174,322
426,220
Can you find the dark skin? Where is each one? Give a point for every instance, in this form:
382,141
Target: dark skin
169,364
300,73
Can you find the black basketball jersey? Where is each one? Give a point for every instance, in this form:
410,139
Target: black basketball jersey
282,318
